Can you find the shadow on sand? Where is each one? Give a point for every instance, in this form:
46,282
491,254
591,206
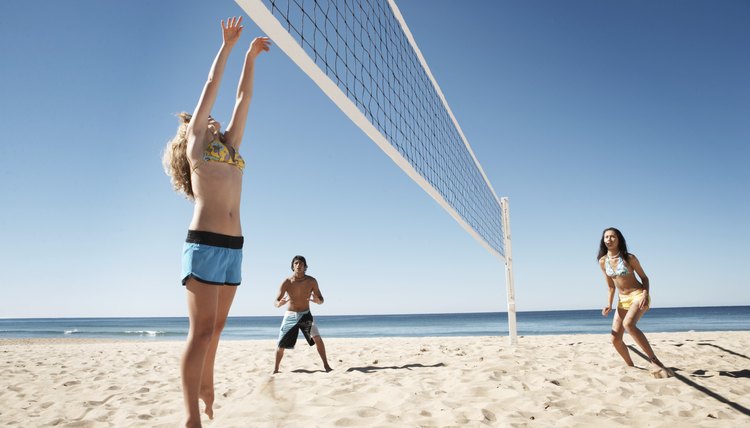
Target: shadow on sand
703,389
372,369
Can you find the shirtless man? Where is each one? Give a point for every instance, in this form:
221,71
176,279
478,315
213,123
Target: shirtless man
299,290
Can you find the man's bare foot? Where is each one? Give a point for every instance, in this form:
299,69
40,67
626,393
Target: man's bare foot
328,368
275,371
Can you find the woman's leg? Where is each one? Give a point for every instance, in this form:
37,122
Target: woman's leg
202,304
629,322
225,299
617,332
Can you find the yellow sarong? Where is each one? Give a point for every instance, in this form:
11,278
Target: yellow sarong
627,300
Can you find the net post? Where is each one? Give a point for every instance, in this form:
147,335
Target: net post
512,331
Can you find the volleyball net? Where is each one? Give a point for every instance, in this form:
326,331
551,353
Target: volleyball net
365,50
363,56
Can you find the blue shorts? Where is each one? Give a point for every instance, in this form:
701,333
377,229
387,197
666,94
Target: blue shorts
212,258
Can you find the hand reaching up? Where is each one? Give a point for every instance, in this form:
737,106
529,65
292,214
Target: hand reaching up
258,45
231,30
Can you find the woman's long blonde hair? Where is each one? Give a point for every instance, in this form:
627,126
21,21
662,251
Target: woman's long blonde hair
175,159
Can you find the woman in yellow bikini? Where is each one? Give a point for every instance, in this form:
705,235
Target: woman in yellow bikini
205,165
619,268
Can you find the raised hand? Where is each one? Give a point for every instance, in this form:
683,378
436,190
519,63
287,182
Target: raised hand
231,30
258,45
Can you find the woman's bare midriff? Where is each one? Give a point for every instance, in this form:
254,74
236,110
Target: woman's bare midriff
217,191
628,284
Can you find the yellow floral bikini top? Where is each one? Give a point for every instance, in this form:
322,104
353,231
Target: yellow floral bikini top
216,151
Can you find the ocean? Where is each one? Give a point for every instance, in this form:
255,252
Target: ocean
721,318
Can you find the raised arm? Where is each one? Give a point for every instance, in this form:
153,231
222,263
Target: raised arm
280,300
199,123
236,128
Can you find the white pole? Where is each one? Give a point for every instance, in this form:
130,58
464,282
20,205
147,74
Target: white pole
512,332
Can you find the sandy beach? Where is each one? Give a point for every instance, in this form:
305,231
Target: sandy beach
567,380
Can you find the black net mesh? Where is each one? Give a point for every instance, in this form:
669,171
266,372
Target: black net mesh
360,45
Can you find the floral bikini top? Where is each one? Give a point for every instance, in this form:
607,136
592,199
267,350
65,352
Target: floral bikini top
216,151
620,269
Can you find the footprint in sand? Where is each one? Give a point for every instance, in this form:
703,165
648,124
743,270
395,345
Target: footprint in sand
143,364
451,404
71,383
478,391
624,392
610,413
462,420
368,412
162,412
668,391
489,416
345,422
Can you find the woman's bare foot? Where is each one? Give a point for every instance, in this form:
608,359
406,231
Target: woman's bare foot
208,399
192,424
658,370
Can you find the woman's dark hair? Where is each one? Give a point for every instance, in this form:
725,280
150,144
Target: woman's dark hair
300,258
622,246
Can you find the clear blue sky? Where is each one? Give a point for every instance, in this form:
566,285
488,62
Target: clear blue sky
585,114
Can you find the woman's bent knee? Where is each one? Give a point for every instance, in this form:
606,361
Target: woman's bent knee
616,339
630,328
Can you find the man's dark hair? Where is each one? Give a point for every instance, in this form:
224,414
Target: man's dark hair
300,258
